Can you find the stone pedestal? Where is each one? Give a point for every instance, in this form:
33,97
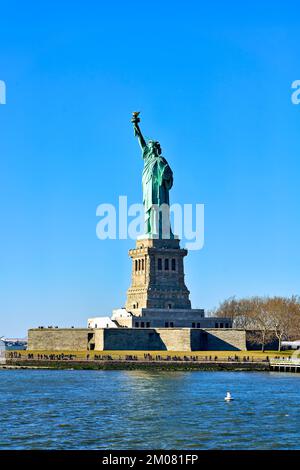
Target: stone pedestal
157,280
158,296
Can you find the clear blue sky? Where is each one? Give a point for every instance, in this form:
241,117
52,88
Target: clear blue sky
213,82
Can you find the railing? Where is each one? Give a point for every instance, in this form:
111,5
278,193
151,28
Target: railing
285,364
286,361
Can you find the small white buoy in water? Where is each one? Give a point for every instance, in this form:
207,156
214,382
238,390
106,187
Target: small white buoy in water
228,397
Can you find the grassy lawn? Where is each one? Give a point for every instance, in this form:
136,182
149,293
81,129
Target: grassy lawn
82,355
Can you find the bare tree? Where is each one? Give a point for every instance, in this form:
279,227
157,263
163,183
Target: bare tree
284,314
236,310
263,326
265,318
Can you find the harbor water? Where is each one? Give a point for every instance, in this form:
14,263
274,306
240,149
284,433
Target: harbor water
68,409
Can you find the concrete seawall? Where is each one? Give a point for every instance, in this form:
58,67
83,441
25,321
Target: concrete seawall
140,364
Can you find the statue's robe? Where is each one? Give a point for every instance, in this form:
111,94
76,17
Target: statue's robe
157,180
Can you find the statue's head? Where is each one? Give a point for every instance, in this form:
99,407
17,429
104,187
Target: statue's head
154,145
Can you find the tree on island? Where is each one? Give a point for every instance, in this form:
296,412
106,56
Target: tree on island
266,318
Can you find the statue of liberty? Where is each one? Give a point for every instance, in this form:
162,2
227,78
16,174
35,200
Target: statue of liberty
157,180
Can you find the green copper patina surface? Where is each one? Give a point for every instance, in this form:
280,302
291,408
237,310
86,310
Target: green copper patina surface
157,180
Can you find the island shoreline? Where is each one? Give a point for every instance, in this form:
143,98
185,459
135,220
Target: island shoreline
139,365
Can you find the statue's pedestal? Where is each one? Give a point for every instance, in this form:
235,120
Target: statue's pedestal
157,279
158,296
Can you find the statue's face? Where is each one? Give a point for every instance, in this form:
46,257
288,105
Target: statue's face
154,146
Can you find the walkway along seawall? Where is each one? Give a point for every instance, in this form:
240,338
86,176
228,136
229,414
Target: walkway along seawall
133,360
